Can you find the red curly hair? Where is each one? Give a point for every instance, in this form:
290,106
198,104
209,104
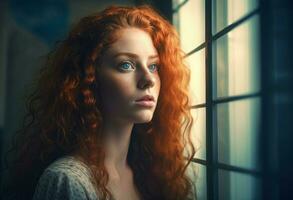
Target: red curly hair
64,112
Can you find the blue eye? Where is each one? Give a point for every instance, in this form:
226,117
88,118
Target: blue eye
127,66
153,67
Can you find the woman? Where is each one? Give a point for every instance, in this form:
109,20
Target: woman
107,117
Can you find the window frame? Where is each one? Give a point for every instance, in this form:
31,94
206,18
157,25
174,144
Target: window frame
211,163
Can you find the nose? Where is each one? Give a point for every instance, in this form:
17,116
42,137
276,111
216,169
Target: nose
146,80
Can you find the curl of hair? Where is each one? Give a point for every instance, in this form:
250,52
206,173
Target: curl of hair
64,112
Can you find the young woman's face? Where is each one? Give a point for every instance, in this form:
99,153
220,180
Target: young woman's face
127,73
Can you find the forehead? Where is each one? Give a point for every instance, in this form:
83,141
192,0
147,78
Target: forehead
133,40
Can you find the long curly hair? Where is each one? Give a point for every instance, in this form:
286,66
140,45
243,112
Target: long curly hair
64,112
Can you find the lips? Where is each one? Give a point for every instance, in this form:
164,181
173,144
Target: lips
146,101
146,98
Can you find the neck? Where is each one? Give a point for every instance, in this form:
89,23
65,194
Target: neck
117,139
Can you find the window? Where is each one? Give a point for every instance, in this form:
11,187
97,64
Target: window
221,42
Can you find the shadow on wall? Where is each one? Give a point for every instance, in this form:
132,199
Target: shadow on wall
46,19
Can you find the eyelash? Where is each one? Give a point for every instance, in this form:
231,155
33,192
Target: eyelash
133,65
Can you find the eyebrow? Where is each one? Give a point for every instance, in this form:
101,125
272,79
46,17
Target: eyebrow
133,55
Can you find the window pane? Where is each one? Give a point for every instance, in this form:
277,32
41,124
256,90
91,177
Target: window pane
191,24
225,12
234,185
238,131
198,132
176,20
197,85
175,3
198,176
237,60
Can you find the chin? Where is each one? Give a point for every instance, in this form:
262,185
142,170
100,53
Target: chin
143,121
143,118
